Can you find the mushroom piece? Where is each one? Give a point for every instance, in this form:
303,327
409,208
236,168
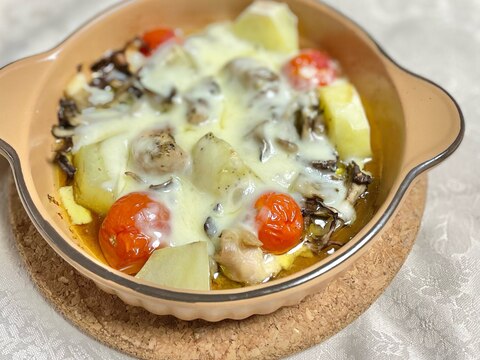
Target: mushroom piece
67,112
162,103
358,176
320,221
157,152
253,75
355,191
164,186
357,182
260,81
63,161
263,88
114,60
307,116
241,258
111,75
204,102
61,132
135,177
325,165
258,133
287,146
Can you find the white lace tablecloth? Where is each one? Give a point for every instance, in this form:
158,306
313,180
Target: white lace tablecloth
432,308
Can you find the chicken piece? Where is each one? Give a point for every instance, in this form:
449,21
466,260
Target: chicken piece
157,152
241,258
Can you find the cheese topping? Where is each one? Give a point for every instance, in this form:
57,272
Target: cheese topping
240,115
218,125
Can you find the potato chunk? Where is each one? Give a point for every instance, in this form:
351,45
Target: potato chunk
347,123
91,183
218,169
268,24
241,258
182,267
156,152
77,213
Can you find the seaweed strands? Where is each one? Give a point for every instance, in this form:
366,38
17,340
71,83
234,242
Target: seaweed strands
320,221
63,132
357,175
65,164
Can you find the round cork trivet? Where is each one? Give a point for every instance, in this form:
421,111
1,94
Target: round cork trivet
137,332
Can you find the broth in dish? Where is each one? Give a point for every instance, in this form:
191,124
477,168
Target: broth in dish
225,158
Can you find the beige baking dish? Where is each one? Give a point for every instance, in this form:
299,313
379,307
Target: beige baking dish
419,125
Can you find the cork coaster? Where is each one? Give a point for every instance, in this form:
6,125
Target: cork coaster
139,333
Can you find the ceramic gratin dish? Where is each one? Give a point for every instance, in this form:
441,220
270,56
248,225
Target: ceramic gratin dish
415,122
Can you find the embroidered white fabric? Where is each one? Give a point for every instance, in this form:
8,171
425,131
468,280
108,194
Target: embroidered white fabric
430,311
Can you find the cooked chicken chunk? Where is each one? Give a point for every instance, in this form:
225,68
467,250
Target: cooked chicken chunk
157,152
242,259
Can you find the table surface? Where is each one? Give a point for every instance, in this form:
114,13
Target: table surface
430,311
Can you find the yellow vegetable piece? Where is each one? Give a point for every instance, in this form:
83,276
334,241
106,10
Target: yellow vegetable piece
78,214
92,184
268,24
347,123
183,267
286,260
227,172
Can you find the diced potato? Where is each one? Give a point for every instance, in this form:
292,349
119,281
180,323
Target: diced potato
92,184
114,152
268,24
218,168
347,123
183,267
78,214
99,126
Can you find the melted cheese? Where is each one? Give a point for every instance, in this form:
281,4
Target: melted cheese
236,112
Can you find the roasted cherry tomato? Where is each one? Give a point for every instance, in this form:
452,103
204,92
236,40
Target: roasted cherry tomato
154,38
134,227
280,222
310,69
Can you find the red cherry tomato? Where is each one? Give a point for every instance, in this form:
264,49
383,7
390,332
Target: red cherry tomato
310,69
154,38
134,227
280,222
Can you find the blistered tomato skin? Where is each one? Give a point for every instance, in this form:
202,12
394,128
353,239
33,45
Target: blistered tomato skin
310,69
134,227
154,38
280,222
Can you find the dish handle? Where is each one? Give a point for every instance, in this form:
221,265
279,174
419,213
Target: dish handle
433,120
19,83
